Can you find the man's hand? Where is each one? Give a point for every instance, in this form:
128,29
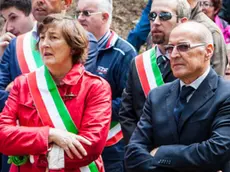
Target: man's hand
4,41
69,142
154,151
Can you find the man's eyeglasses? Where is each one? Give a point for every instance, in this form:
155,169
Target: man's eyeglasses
182,47
86,13
164,16
206,4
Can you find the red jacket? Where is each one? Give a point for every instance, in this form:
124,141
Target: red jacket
90,111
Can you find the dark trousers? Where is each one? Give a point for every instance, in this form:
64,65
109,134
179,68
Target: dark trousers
114,166
5,165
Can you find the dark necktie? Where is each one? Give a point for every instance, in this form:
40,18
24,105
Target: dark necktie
182,100
161,62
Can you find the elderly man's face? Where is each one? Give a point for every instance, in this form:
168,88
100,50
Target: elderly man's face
162,25
42,8
187,63
94,20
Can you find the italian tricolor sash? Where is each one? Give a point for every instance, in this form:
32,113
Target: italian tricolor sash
53,113
115,134
29,58
148,71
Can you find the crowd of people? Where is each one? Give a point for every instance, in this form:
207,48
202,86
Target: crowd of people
76,97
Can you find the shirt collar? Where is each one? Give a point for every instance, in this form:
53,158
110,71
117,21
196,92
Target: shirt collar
195,84
159,53
103,40
35,31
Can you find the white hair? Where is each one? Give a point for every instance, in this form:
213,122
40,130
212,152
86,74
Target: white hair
106,6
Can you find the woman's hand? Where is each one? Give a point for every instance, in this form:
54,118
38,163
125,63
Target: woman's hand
69,142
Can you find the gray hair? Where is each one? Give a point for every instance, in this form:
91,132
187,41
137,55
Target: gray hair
183,9
106,6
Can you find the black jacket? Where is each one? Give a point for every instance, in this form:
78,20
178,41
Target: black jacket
133,99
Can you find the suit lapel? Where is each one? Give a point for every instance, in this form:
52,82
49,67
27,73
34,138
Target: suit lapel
203,93
170,104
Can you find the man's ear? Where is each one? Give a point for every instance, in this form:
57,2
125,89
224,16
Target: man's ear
183,20
209,51
105,16
65,6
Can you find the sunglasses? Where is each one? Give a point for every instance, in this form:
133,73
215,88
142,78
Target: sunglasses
164,16
182,47
86,13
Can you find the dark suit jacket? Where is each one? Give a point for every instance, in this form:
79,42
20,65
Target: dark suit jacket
133,99
200,142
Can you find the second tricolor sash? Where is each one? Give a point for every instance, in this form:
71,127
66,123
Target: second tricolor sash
29,59
115,133
148,71
53,113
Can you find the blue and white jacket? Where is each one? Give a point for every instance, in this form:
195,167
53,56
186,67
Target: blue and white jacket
112,63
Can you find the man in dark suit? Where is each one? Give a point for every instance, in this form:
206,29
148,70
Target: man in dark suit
178,132
164,16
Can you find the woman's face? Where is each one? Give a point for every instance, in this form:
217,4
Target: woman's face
53,47
208,8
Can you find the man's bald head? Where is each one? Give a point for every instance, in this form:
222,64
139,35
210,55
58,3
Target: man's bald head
197,30
190,50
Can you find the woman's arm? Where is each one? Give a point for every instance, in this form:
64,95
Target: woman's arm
95,123
20,140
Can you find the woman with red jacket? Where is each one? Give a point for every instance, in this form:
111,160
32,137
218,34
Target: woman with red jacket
57,118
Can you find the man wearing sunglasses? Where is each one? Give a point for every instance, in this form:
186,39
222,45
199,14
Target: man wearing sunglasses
185,124
114,57
152,68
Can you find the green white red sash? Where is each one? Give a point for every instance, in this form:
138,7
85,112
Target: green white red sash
148,71
53,113
115,133
29,59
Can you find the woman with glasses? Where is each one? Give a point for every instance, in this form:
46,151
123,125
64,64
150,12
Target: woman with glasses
211,8
57,118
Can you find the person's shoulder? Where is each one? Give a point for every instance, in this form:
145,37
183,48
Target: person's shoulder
95,80
124,45
91,37
211,25
223,83
21,81
164,89
138,57
14,41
